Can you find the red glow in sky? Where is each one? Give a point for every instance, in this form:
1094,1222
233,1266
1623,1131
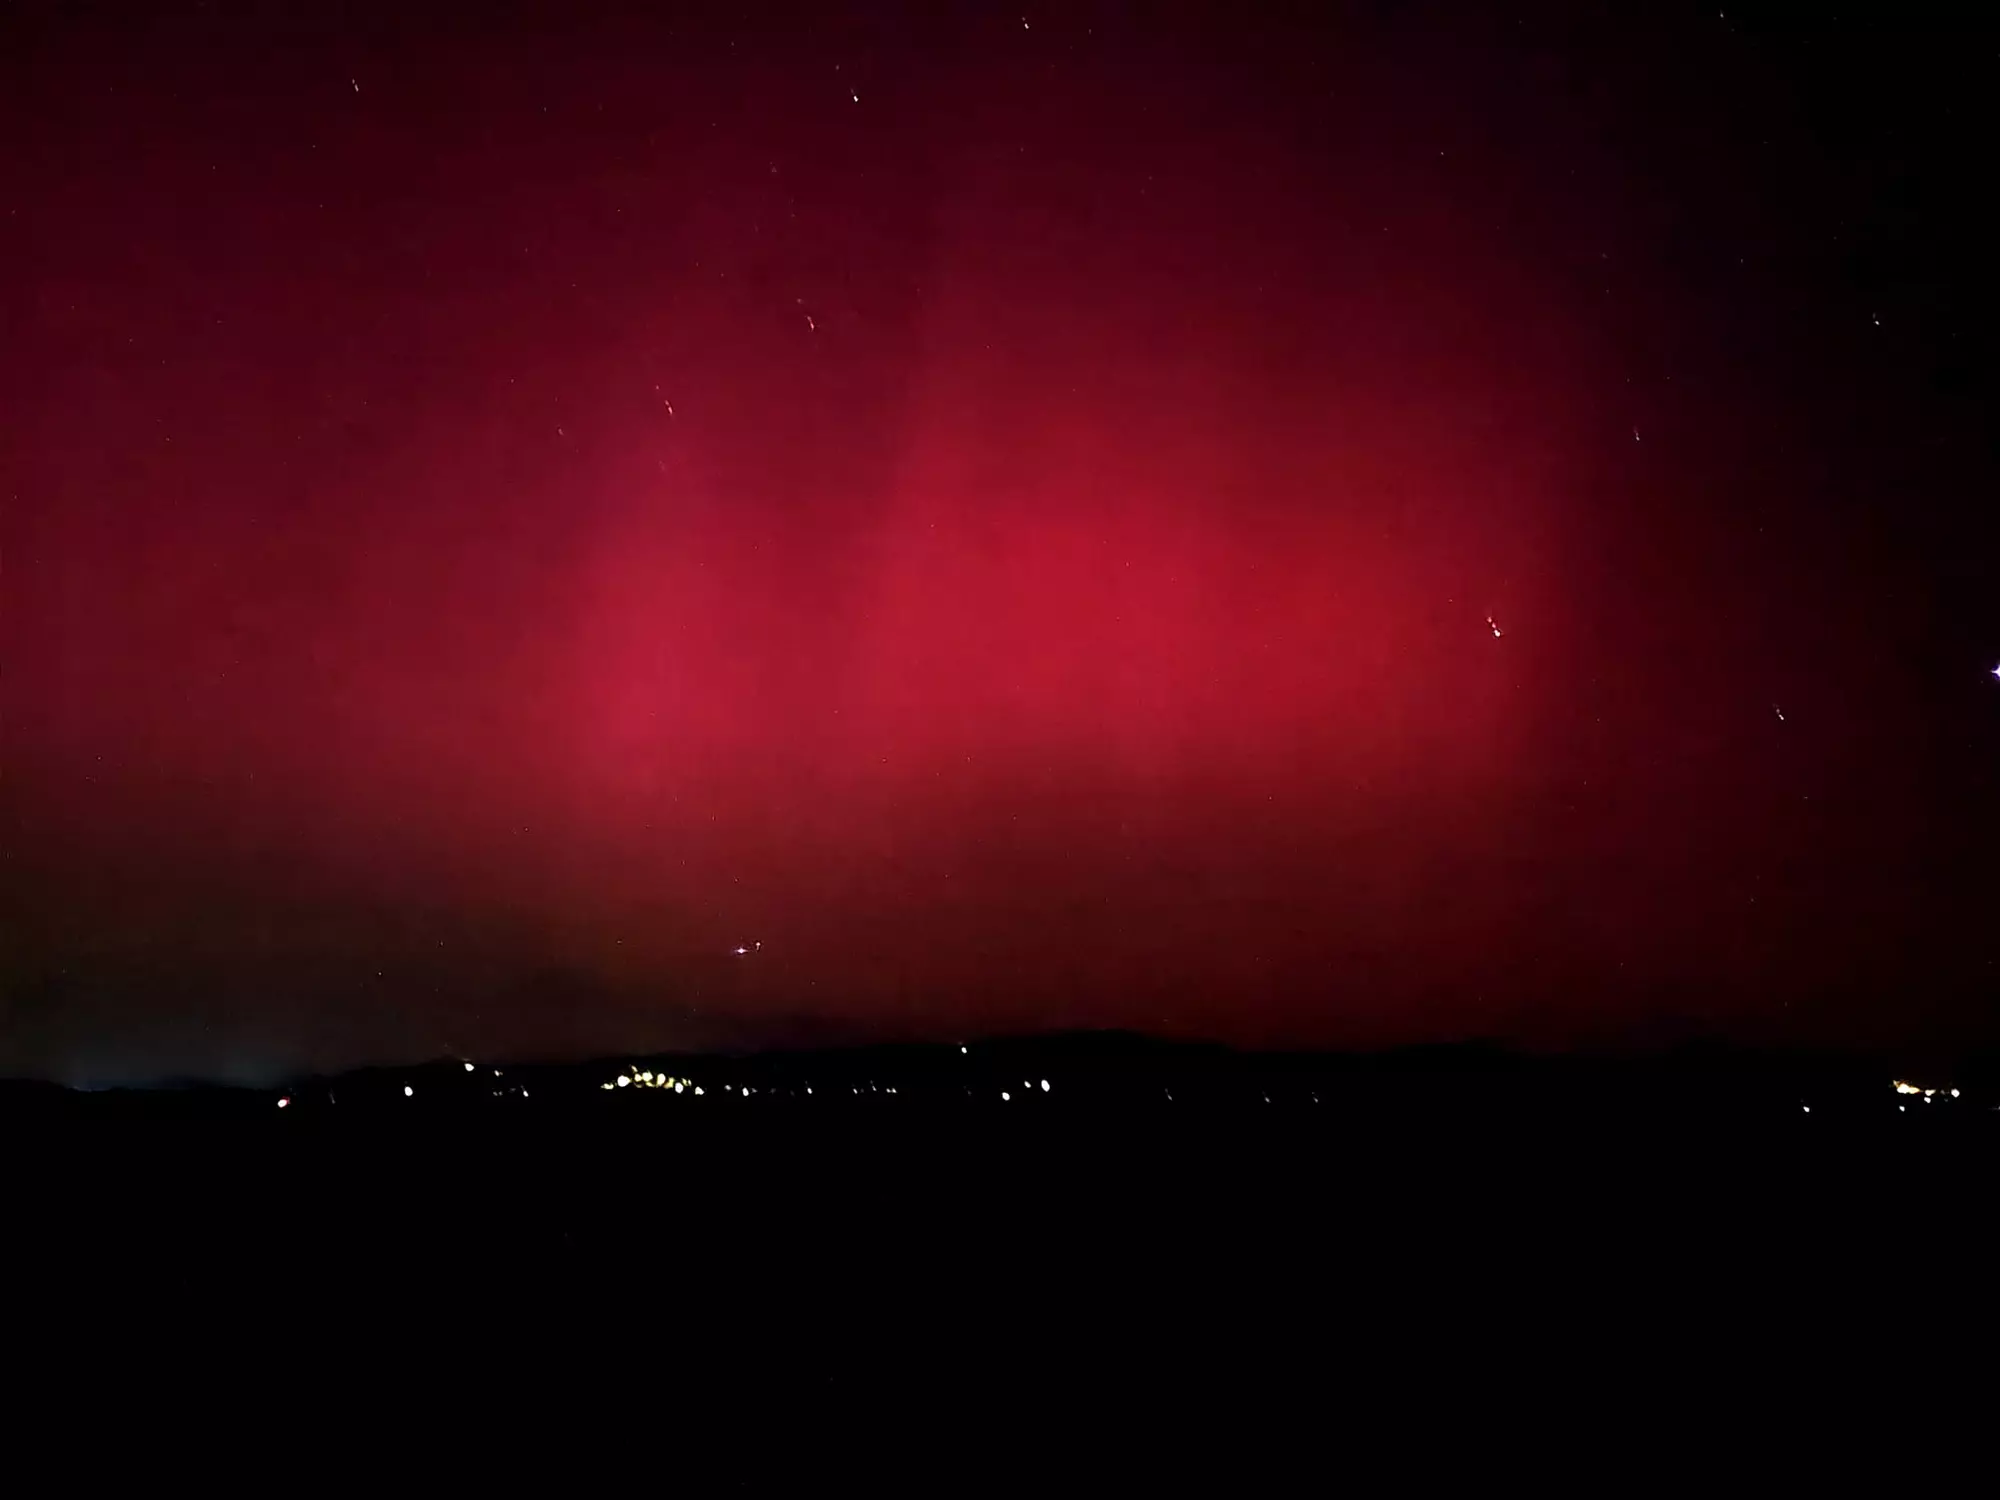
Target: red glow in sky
1013,522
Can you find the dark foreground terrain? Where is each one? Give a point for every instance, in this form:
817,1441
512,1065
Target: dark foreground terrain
1455,1226
1036,1143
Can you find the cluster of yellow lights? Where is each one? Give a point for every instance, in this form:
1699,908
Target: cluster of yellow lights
1911,1088
650,1080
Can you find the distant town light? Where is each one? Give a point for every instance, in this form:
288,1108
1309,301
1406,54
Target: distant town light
1954,1093
1806,1107
408,1091
624,1080
1005,1096
1045,1085
468,1067
283,1103
697,1091
961,1051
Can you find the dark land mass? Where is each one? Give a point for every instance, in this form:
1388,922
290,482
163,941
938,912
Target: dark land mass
1385,1228
1083,1077
1065,1125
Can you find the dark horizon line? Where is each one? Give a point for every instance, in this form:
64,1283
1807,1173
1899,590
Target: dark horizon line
1121,1047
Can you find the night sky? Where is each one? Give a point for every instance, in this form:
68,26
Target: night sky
1411,523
